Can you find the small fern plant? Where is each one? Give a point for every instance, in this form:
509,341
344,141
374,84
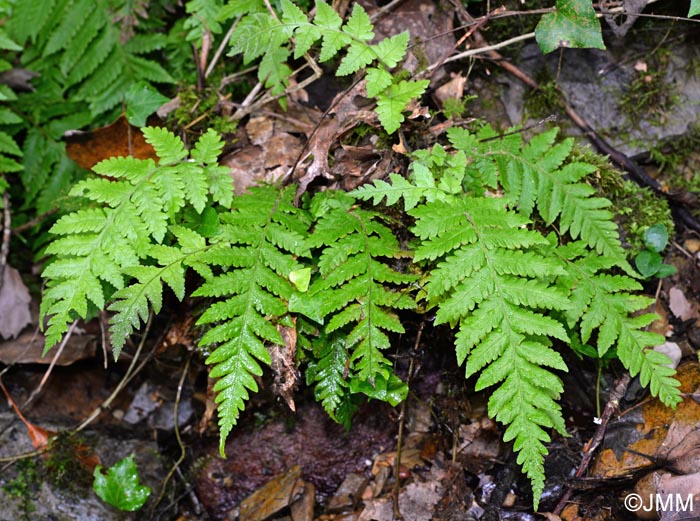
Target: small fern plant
265,35
513,292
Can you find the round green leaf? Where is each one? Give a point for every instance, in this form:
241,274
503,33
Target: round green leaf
648,263
665,270
656,238
573,24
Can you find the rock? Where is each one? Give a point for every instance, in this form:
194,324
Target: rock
585,74
671,350
692,245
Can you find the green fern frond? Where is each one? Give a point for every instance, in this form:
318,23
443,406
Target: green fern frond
102,247
260,34
538,176
491,285
603,303
327,373
266,234
353,290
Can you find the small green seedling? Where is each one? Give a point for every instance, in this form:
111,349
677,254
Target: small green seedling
649,261
120,487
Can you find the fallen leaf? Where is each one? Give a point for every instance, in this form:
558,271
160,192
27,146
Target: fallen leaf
680,306
89,148
283,490
39,437
14,304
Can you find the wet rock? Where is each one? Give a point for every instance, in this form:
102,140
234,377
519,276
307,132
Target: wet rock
594,83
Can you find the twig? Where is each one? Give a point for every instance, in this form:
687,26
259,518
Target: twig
489,48
55,358
221,48
33,222
130,373
6,230
180,444
611,407
402,419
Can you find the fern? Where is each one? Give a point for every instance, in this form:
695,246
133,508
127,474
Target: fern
262,35
122,233
85,64
508,289
603,302
493,287
262,236
10,152
350,295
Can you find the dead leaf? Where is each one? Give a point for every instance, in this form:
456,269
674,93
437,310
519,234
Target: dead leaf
349,492
303,508
453,89
14,304
284,365
680,306
680,488
680,450
277,494
39,437
89,148
631,9
28,348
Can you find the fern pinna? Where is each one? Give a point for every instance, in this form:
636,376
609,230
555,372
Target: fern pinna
512,292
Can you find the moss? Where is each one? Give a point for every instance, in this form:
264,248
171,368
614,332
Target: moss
678,161
63,466
650,96
25,485
200,111
635,208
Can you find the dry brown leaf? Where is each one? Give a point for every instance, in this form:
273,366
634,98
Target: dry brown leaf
284,365
39,436
14,304
278,493
453,89
680,306
89,148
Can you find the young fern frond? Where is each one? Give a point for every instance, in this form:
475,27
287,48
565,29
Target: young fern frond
326,372
260,241
262,35
122,231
